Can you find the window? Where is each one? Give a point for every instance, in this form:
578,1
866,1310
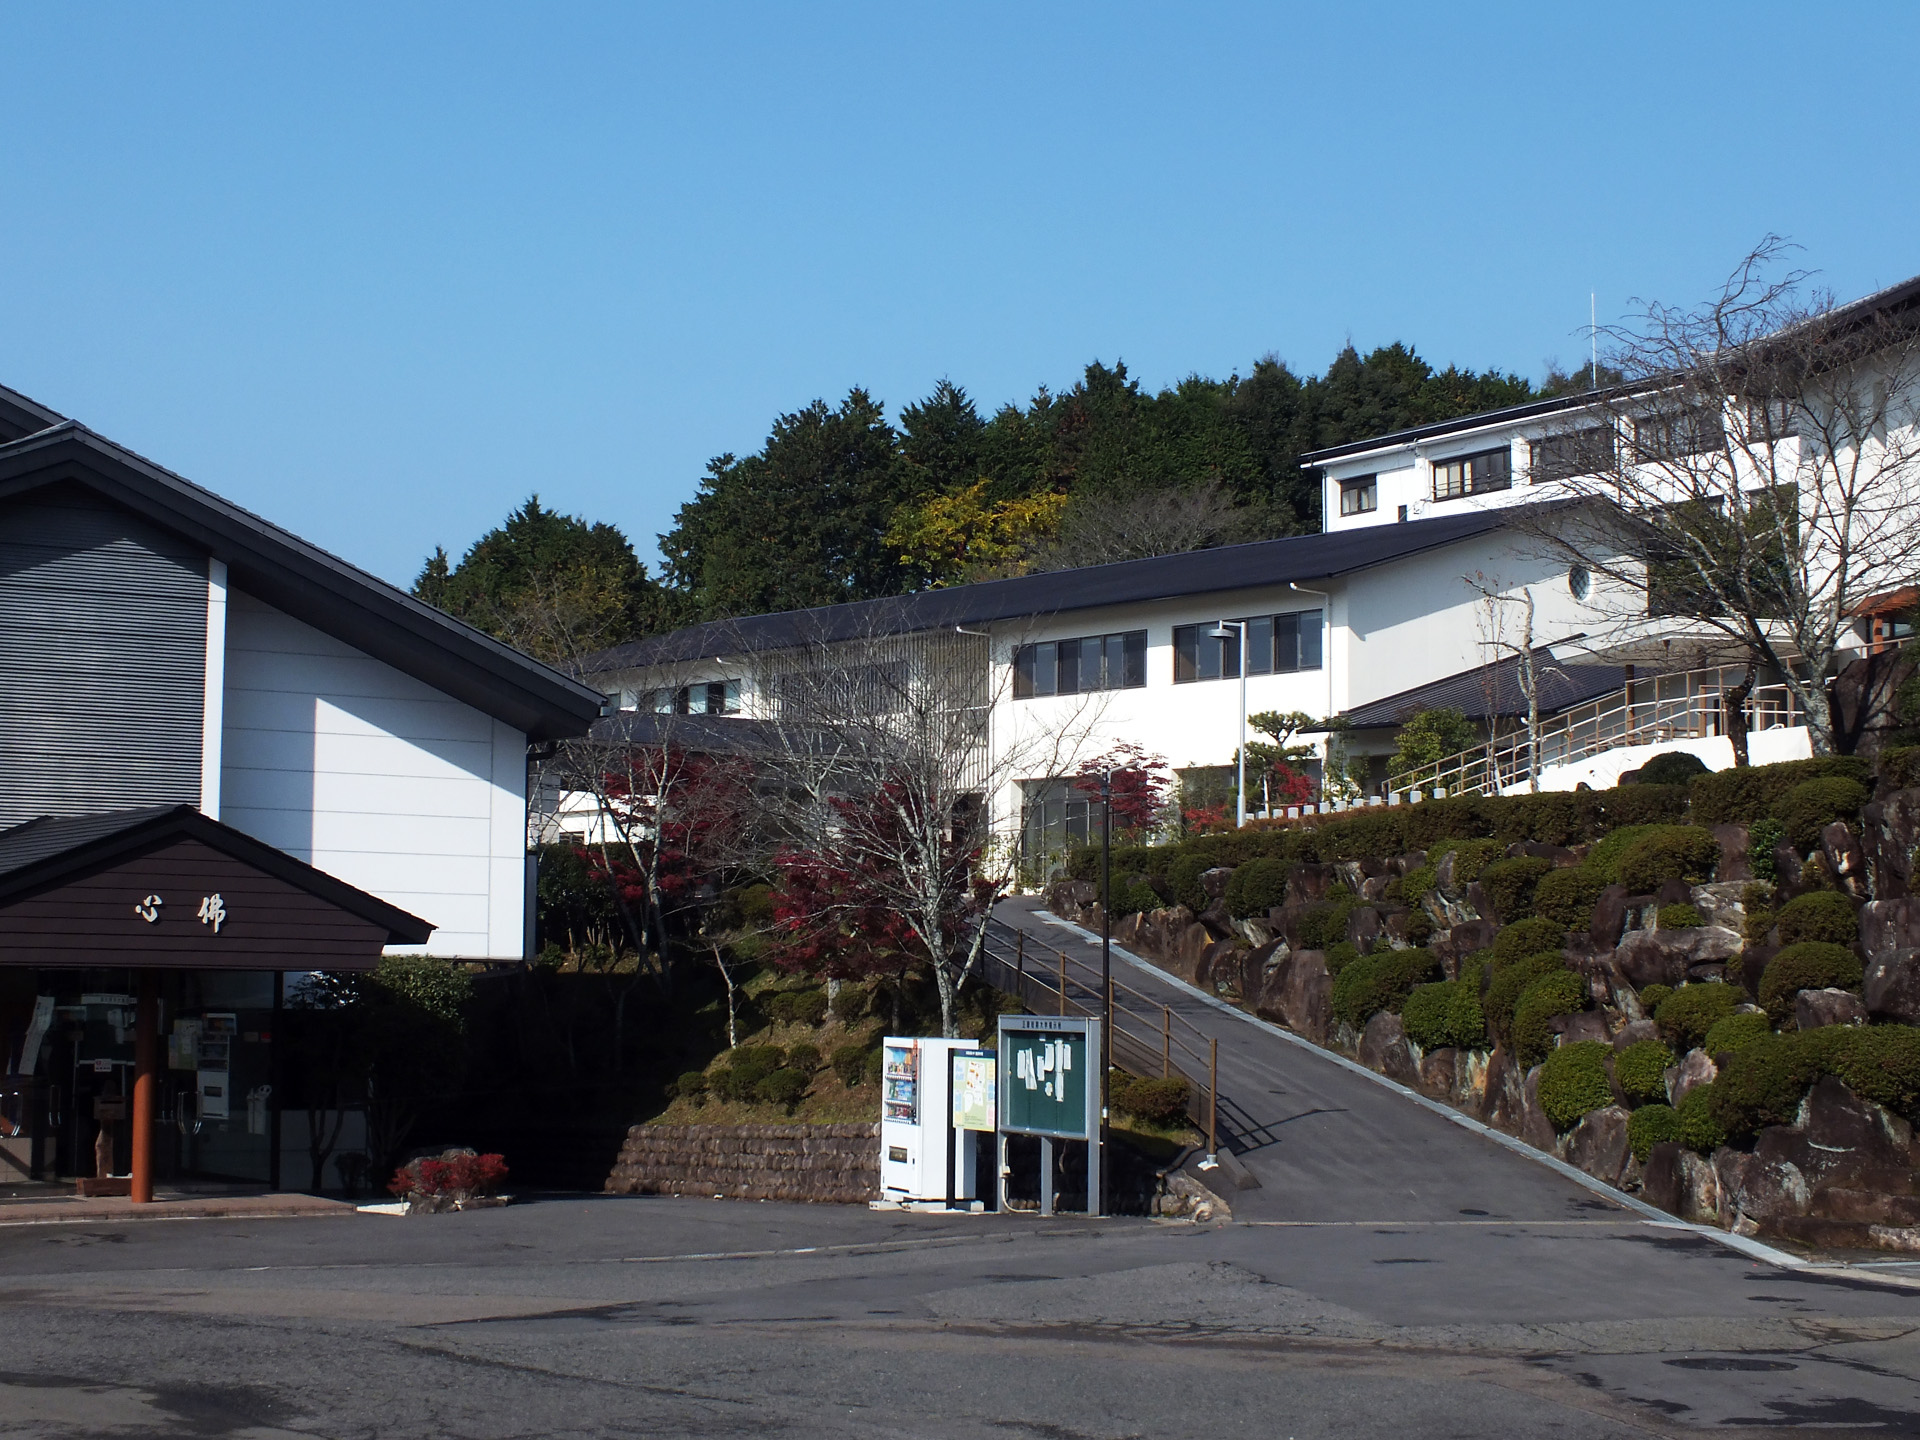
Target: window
1276,644
1360,495
1473,474
1769,420
1678,433
1077,667
1574,452
718,697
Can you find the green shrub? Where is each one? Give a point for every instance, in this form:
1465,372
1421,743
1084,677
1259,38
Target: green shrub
1756,926
1567,896
1527,937
1379,982
1604,858
1818,915
1642,804
1341,955
1900,766
1670,767
795,1007
804,1058
1680,916
1651,997
1161,1102
1763,1083
1426,825
1810,965
1648,1126
1573,1082
1700,1127
1673,852
1744,794
1552,817
1812,805
850,1063
1184,876
782,1087
1417,882
1763,837
1419,927
1256,887
1370,835
1880,1063
1641,1069
850,1004
1544,999
1138,896
692,1085
1509,884
1325,924
1471,857
1688,1013
1736,1031
1446,1012
1503,992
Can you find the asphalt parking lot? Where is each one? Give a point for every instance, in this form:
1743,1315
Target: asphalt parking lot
618,1316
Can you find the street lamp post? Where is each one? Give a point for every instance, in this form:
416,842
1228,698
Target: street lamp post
1222,631
1099,1203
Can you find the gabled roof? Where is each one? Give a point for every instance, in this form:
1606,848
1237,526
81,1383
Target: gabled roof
44,852
1493,692
1297,558
313,586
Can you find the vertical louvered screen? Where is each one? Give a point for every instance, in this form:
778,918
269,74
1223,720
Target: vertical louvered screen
103,622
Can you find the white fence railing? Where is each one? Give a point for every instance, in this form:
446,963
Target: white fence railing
1682,705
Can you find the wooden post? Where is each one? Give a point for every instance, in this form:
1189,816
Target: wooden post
146,1079
1166,1041
1213,1097
1063,981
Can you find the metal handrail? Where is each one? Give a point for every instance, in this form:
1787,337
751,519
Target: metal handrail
1680,705
1144,1032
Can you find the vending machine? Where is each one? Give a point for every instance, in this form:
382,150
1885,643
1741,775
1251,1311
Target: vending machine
925,1160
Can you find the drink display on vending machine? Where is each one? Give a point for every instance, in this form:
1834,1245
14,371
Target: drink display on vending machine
920,1164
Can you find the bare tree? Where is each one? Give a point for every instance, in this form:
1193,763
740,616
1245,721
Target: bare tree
1130,525
1494,635
887,803
1756,474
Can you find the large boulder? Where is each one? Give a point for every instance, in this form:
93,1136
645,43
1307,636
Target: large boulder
1535,1128
1889,925
1617,912
1598,1144
1559,855
1439,1072
1363,928
1308,884
1756,1192
1504,1092
1303,1001
1586,1025
1845,859
1219,924
1814,1008
1841,1140
1681,1183
1194,942
1670,957
1214,881
1383,1047
1721,904
1634,1031
1891,989
1450,947
1891,827
1733,864
1696,1068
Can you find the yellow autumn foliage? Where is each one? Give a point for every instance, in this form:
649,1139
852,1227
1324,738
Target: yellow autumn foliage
954,537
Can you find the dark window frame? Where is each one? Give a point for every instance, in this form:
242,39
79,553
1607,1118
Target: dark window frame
1040,667
1363,491
1480,472
1277,644
1567,454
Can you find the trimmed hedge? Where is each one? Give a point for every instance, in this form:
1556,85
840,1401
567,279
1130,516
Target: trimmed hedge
1471,857
1763,1084
1444,1013
1700,1127
1503,992
1648,1126
1573,1082
1379,982
1510,884
1135,898
1641,1069
1680,916
1671,852
1567,896
1900,766
1161,1102
1735,1032
1691,1011
1325,924
1604,858
1544,999
1671,767
1256,887
1812,805
1341,955
1527,937
1743,795
1818,915
1652,996
1183,874
1810,965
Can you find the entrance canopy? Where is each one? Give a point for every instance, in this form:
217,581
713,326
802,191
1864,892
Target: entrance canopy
167,888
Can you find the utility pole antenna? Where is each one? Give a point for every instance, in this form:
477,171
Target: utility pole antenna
1593,335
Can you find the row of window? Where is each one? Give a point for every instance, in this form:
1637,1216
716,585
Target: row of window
1592,450
719,697
1276,644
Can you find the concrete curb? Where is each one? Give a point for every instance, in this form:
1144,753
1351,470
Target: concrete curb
1753,1249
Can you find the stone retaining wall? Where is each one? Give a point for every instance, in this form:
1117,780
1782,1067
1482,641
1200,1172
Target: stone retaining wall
836,1164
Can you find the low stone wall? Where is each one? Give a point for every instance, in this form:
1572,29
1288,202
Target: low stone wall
835,1164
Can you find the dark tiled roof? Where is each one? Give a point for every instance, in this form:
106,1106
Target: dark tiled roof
32,840
1301,558
1470,691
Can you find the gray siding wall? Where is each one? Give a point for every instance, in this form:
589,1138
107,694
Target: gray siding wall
103,626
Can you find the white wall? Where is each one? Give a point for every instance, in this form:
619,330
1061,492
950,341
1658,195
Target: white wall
376,778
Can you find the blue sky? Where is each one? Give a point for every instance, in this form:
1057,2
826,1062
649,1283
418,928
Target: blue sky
379,272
